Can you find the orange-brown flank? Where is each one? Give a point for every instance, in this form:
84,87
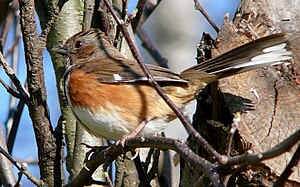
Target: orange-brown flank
135,103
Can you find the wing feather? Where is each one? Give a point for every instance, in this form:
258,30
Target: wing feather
121,70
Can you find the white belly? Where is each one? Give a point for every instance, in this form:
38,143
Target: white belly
111,126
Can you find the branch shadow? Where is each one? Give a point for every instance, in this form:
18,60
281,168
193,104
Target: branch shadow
237,103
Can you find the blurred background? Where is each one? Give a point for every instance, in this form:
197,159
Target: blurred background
174,36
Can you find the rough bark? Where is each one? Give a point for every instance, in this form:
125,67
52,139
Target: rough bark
267,119
49,145
275,113
68,23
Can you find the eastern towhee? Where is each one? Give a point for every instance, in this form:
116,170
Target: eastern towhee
111,96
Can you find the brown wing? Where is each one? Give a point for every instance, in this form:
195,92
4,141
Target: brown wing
121,70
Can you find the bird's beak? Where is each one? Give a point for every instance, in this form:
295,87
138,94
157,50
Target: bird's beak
60,49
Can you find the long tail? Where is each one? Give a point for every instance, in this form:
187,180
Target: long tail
269,50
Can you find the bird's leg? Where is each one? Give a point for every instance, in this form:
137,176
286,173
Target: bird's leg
132,133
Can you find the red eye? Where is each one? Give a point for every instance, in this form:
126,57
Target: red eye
78,44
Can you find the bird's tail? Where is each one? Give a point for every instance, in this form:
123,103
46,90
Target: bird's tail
269,50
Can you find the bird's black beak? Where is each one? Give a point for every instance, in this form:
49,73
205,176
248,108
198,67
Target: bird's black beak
60,49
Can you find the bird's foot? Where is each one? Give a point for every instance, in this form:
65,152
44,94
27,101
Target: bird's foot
131,134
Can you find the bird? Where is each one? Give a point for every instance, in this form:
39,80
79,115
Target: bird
110,96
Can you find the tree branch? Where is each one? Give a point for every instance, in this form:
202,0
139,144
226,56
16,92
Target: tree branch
15,125
147,44
13,6
135,22
289,168
279,149
222,159
145,9
48,152
88,13
6,172
21,168
203,12
10,90
162,143
11,74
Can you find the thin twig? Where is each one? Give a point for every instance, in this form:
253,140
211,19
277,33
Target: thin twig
13,117
145,11
6,169
201,9
123,17
11,49
153,170
234,126
147,44
13,6
15,126
221,159
253,158
29,161
88,13
52,10
289,169
21,168
10,90
147,161
9,71
20,174
144,181
131,16
140,9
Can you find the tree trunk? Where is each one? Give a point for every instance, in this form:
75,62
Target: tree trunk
268,98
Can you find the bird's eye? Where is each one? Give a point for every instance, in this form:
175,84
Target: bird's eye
78,44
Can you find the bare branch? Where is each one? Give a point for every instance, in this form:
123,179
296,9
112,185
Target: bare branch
203,12
140,7
180,115
15,125
141,171
48,12
7,23
10,50
9,71
49,150
144,11
6,171
15,54
234,126
21,168
147,44
123,17
104,19
114,151
153,170
88,13
10,90
254,158
289,169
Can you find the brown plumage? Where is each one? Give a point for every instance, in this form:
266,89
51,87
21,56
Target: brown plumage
111,96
